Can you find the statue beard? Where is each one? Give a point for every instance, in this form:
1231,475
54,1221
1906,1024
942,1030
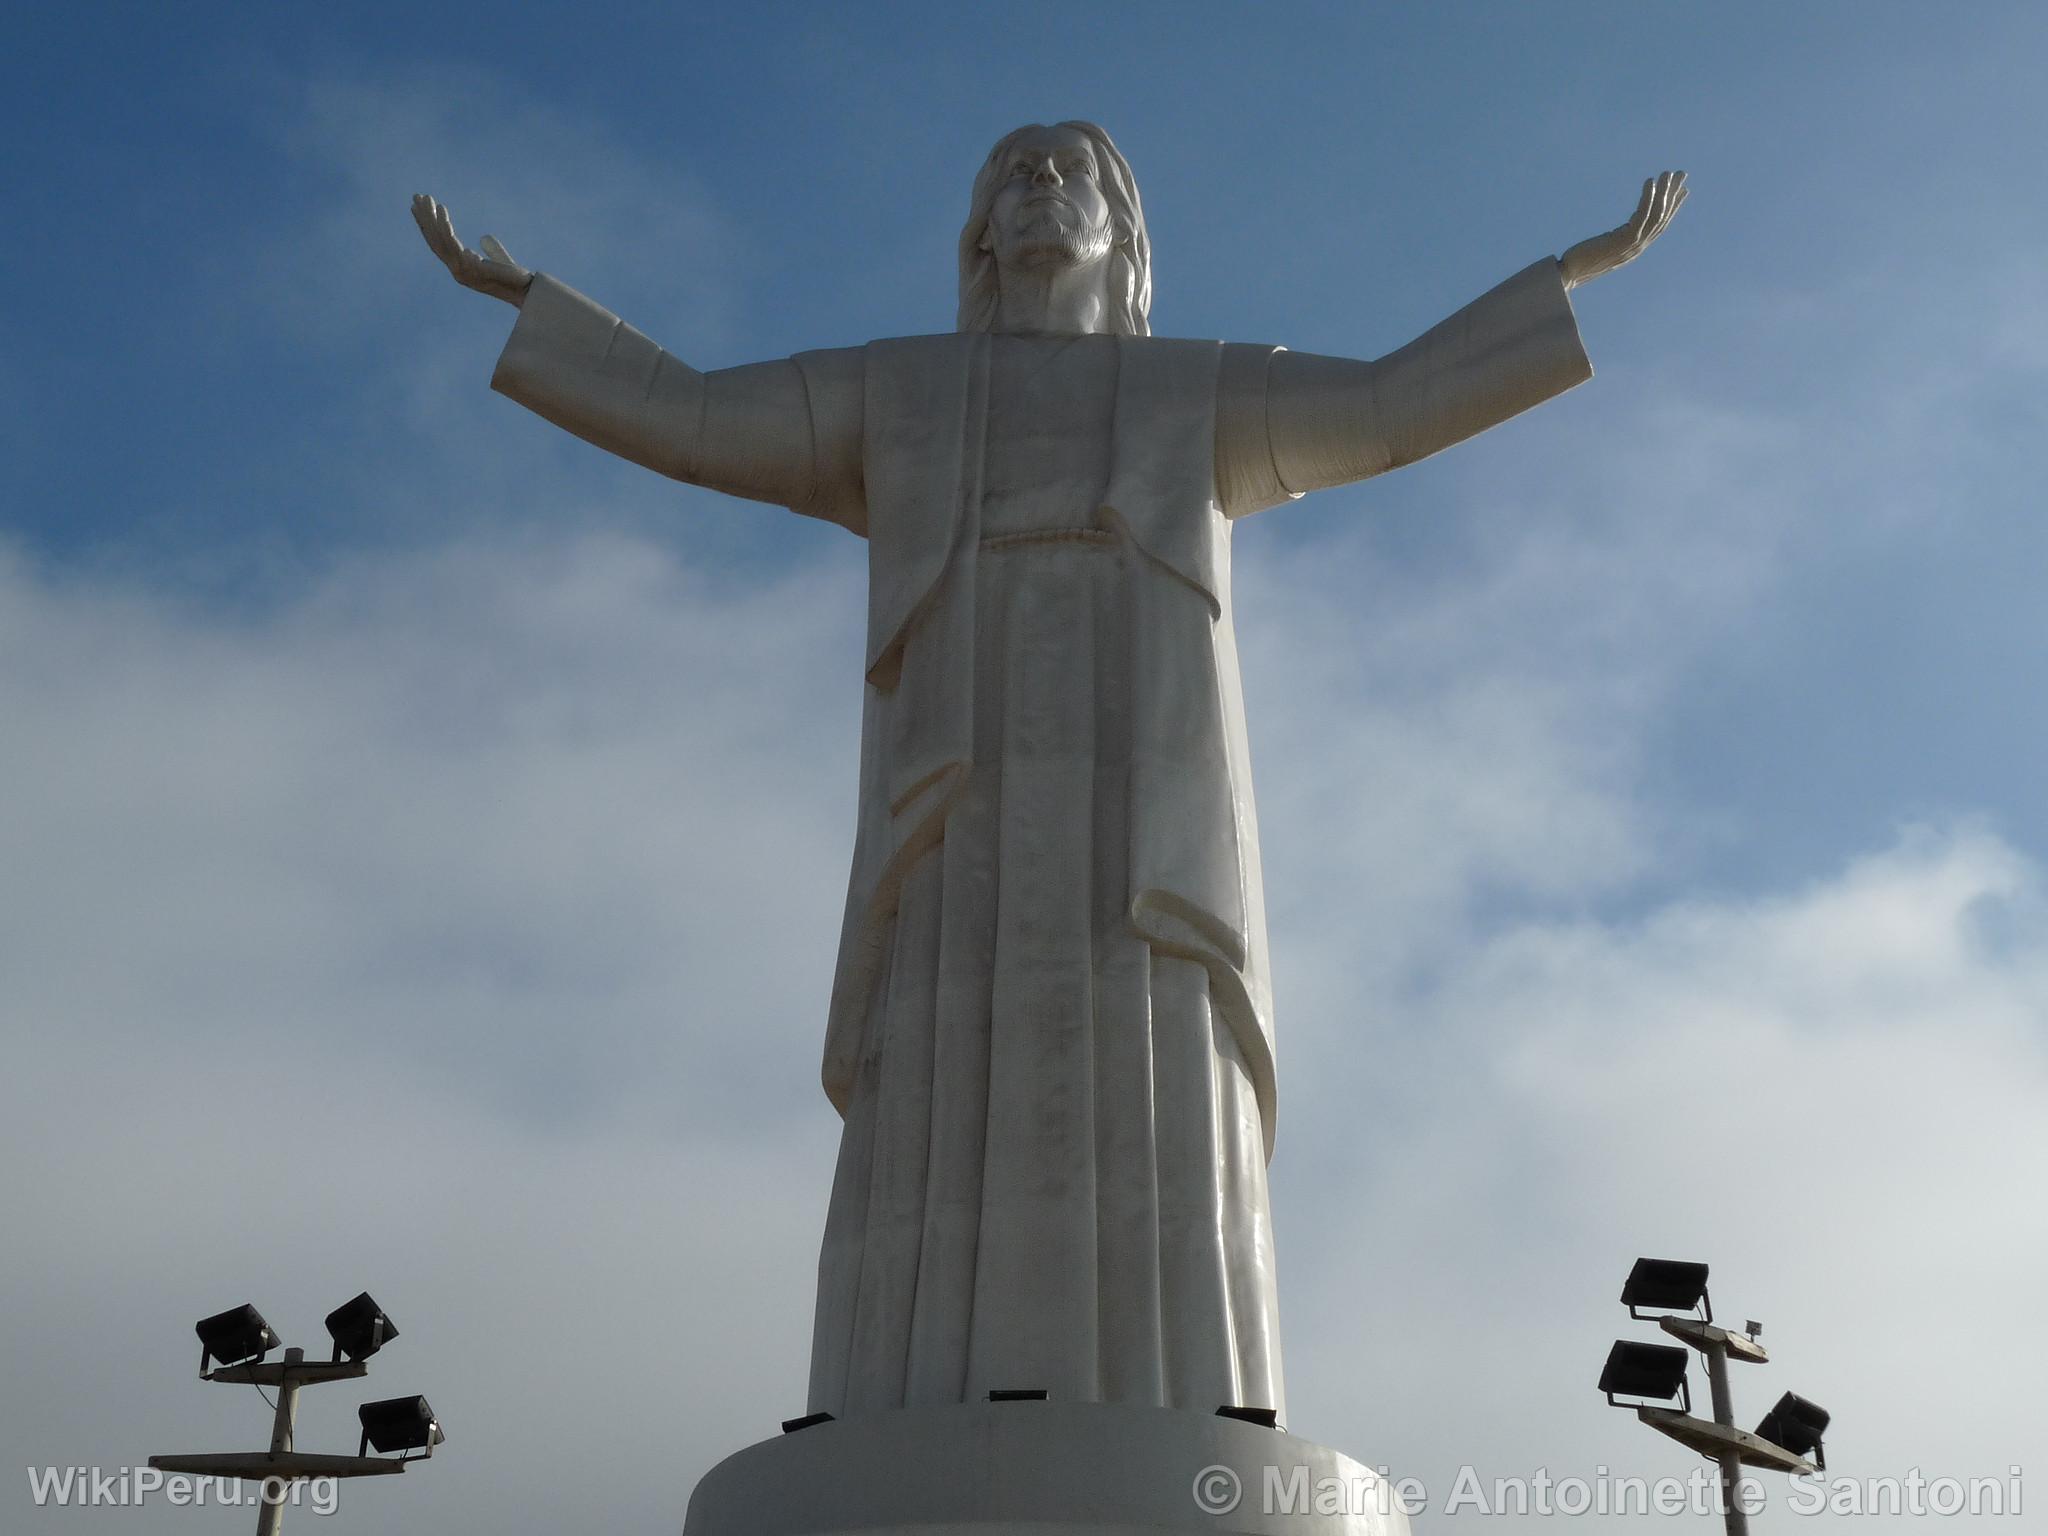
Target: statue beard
1051,241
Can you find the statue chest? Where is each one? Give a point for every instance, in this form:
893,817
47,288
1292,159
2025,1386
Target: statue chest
1051,413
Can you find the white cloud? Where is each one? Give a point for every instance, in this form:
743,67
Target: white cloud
1832,1095
457,923
562,193
484,812
460,927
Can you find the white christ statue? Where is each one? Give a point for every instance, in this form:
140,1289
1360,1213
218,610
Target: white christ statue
1051,1032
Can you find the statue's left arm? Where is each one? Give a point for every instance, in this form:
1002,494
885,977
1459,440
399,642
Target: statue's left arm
1330,420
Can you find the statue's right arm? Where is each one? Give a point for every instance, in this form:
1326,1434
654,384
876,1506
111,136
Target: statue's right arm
749,431
786,432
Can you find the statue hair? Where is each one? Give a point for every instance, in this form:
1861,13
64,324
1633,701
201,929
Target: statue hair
1130,253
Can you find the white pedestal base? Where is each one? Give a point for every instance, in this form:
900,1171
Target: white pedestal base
1041,1469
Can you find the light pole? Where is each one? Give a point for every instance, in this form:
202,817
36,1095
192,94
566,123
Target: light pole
239,1339
1674,1288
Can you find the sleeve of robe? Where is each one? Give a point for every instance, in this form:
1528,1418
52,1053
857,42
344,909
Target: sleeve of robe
1293,422
776,432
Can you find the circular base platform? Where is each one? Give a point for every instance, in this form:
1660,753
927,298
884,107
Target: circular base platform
1041,1469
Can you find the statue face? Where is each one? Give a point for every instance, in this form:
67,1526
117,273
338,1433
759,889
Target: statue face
1050,207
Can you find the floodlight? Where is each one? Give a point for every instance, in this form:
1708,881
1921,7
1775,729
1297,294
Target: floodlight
1797,1425
808,1421
360,1328
1666,1285
1017,1395
1265,1418
1646,1370
233,1336
400,1424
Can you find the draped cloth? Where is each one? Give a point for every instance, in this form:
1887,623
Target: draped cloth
1050,1031
1048,1037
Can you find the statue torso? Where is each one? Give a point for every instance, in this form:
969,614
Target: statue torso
1052,402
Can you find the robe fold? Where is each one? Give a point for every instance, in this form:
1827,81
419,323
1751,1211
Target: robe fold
1194,879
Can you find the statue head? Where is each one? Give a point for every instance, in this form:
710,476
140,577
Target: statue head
1058,194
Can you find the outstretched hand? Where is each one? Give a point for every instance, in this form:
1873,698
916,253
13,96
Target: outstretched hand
493,272
1662,196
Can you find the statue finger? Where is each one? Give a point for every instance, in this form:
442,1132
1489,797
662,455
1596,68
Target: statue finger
1646,210
1654,215
1676,202
1674,194
496,250
450,249
436,233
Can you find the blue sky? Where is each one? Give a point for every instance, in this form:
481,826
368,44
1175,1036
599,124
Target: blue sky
352,714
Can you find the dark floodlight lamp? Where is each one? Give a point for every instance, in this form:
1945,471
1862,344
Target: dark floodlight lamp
1667,1285
1017,1395
234,1336
1797,1425
360,1328
399,1424
808,1421
1265,1418
1646,1370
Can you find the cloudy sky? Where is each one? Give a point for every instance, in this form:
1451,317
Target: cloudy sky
422,838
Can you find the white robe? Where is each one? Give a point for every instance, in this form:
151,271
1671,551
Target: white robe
1051,1029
